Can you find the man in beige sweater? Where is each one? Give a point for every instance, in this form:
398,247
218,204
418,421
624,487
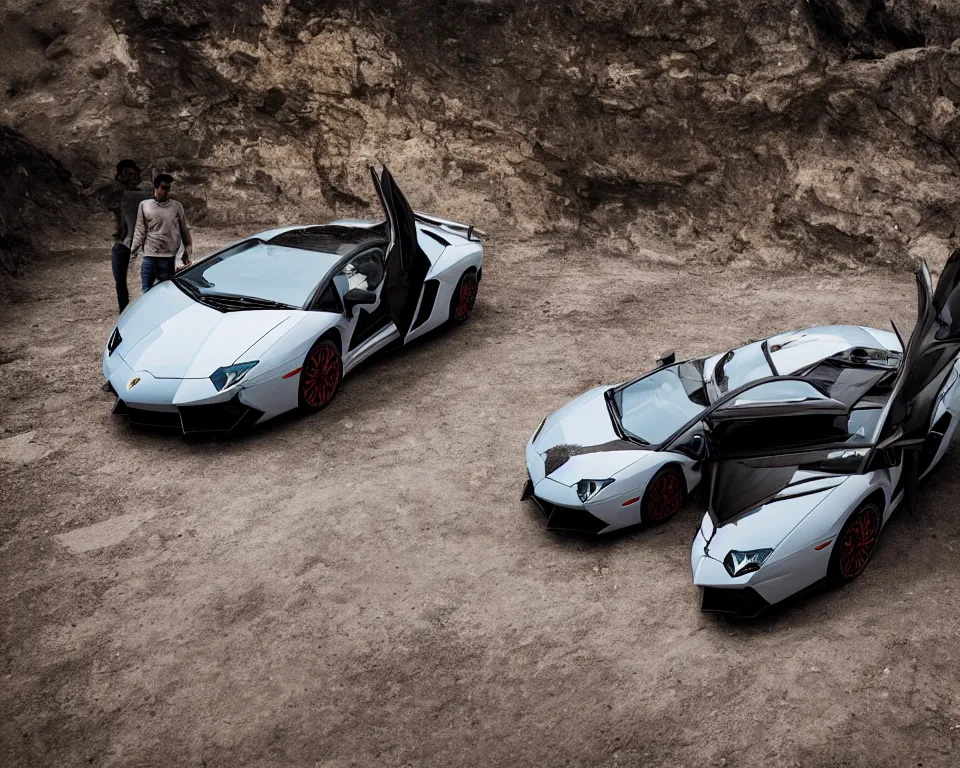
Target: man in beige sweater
162,233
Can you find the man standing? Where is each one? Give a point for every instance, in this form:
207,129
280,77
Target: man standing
122,201
162,232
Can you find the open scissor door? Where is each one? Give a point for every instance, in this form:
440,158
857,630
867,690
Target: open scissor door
760,437
406,265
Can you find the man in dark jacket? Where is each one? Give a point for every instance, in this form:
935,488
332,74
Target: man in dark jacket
123,199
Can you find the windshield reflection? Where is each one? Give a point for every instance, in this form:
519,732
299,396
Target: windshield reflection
656,406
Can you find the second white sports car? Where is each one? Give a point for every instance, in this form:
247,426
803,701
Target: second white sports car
806,471
275,321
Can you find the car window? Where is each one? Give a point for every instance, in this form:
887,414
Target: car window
740,366
364,271
328,300
758,437
862,425
777,392
659,404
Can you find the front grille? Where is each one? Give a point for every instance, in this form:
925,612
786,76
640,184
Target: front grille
743,602
217,417
158,419
567,519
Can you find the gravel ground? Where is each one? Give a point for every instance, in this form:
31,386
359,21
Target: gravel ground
362,586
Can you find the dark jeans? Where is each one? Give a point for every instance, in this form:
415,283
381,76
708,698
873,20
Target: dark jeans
155,270
120,259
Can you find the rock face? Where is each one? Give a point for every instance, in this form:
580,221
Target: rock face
35,191
779,131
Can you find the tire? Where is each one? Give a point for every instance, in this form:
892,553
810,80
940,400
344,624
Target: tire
663,497
855,545
464,297
321,376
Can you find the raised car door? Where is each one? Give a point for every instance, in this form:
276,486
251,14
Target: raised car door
366,325
759,439
406,263
928,356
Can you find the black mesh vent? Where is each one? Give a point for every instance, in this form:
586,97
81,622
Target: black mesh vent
217,417
430,288
330,238
745,602
567,519
161,419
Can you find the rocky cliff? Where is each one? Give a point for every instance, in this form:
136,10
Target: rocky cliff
782,132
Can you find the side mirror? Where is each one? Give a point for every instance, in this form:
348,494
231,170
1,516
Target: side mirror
666,358
356,296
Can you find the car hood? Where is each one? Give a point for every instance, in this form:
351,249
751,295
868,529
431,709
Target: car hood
171,336
768,525
578,441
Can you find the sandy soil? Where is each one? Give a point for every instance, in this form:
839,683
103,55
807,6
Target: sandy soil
363,587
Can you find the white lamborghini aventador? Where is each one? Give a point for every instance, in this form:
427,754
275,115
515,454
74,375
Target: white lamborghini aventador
275,321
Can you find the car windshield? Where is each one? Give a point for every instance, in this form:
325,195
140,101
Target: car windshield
256,270
657,405
738,367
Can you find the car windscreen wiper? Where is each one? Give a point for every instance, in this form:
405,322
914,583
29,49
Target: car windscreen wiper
187,287
250,302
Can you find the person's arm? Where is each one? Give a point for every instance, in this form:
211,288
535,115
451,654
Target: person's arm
112,201
140,233
186,238
123,230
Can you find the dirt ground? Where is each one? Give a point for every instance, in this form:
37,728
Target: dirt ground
363,586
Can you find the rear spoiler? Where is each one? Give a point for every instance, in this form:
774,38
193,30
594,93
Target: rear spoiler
455,227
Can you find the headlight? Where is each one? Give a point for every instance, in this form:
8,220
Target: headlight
587,489
114,341
741,563
231,374
539,429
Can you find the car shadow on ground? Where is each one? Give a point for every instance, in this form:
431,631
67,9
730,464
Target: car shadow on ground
663,535
928,532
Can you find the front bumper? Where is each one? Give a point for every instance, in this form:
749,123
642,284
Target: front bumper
213,418
557,502
744,602
719,592
193,406
561,517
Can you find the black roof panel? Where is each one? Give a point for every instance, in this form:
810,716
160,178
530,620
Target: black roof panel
330,238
